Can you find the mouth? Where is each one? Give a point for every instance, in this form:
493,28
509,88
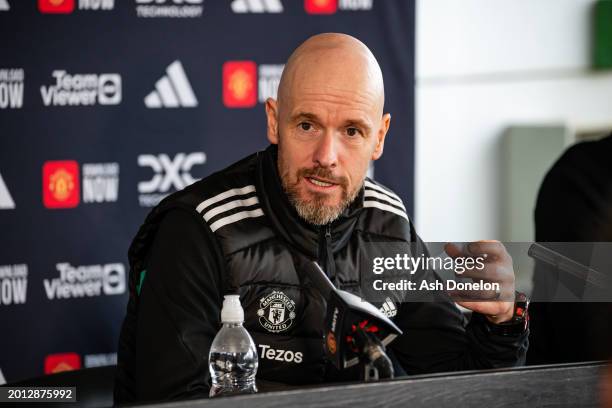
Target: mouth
320,183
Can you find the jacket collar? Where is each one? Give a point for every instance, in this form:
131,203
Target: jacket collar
285,218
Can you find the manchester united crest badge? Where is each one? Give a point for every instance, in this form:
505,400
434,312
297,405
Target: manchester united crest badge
276,312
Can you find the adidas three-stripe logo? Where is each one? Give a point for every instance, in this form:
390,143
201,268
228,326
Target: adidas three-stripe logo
239,203
388,308
257,6
172,90
377,197
230,206
6,201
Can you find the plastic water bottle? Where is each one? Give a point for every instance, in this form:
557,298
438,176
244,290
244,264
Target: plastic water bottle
232,360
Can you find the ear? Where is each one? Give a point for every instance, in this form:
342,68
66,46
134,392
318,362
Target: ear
385,122
272,116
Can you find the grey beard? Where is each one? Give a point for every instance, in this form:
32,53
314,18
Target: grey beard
315,211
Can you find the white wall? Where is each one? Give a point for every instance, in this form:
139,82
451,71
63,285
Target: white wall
483,65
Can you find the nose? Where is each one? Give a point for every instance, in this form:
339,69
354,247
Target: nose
326,151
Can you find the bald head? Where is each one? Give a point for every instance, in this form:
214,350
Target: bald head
328,124
334,62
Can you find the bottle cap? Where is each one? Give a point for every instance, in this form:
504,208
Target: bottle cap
232,310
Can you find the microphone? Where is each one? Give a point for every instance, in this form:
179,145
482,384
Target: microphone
355,330
564,264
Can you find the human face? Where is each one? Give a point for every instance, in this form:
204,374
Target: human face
326,138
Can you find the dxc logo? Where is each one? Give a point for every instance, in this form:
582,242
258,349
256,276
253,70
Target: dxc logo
169,1
168,173
169,8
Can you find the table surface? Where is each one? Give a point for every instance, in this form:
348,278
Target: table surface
563,385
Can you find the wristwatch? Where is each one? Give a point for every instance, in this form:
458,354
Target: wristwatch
518,324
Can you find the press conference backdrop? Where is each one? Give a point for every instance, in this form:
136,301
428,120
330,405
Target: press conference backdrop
107,106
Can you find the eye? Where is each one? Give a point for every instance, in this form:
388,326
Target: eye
305,126
353,131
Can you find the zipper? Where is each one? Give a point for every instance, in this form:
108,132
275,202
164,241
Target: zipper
326,258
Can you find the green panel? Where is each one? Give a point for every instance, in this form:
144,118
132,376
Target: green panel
602,35
528,153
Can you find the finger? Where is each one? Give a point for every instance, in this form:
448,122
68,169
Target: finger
481,291
488,308
482,266
460,249
469,266
494,272
493,249
454,249
474,295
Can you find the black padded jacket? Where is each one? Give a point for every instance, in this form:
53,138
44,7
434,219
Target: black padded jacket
236,232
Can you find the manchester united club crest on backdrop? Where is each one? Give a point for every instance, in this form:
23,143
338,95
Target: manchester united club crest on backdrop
276,312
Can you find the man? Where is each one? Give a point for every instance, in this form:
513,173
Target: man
247,229
580,184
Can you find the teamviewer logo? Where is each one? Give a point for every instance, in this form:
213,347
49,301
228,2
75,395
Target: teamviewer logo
172,90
